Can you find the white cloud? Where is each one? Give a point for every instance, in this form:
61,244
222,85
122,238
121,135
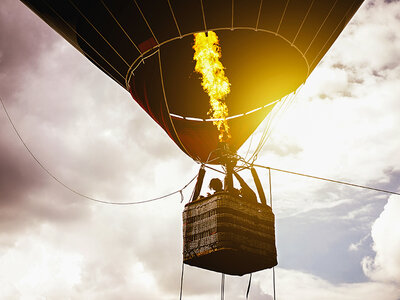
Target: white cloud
299,285
385,266
34,269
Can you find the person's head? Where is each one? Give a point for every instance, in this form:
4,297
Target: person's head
215,184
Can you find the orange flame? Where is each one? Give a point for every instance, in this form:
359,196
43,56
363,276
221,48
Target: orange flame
214,82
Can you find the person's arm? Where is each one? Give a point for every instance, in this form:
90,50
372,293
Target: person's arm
242,183
245,187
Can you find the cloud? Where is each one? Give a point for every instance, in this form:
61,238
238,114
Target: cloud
385,232
372,36
37,268
356,246
293,284
22,42
88,131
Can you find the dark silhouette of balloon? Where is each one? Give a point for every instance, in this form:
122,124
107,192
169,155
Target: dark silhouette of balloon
269,48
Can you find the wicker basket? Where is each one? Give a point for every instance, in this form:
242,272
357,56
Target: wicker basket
227,234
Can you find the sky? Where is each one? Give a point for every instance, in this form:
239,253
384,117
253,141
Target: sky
334,241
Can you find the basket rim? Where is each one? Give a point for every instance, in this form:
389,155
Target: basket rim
225,193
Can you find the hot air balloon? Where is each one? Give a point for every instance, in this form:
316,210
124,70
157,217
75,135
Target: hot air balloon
269,50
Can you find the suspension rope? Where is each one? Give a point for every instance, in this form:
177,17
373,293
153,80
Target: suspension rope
282,106
216,170
120,26
328,179
147,23
272,119
320,27
173,15
273,282
87,43
333,32
259,13
248,286
283,15
302,22
270,201
248,149
223,286
181,288
75,191
248,165
98,32
204,17
233,10
270,188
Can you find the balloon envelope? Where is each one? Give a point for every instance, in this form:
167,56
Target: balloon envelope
269,48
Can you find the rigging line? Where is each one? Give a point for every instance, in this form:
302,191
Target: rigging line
304,19
216,170
120,26
147,23
270,202
248,149
266,132
284,12
233,10
73,190
270,188
248,286
209,161
282,110
320,27
204,17
273,282
337,26
173,15
259,13
209,155
274,113
90,23
329,180
222,286
83,39
181,288
267,125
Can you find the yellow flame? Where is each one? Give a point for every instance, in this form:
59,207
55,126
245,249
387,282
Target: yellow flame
214,82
